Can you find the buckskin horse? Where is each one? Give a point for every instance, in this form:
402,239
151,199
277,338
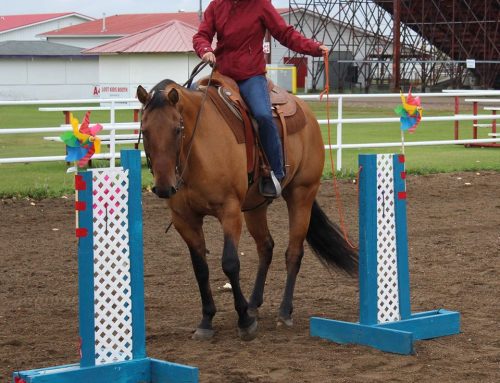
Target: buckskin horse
199,166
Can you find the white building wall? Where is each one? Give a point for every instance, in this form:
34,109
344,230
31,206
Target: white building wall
30,32
48,79
121,74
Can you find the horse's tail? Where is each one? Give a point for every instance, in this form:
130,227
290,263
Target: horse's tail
329,244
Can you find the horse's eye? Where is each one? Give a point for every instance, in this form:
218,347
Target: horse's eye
179,130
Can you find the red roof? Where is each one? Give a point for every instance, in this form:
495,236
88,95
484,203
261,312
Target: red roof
173,36
122,25
18,21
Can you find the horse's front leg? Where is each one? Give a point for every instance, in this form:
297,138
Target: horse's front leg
231,224
191,231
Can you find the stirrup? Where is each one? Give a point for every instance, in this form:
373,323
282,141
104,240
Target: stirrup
270,187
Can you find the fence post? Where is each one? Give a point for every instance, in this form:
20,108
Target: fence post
339,135
112,139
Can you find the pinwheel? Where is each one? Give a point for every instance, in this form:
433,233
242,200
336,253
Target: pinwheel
410,112
82,142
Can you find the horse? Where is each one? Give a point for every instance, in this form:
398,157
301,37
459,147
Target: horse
199,167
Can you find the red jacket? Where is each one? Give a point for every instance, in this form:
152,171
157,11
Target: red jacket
240,27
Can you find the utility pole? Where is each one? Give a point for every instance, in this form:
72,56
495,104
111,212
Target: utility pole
200,11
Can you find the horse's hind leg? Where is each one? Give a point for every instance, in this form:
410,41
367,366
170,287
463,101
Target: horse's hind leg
191,231
231,226
256,221
299,201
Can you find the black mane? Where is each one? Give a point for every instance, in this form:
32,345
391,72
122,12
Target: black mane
158,99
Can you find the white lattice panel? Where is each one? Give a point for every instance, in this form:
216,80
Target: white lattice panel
112,291
387,267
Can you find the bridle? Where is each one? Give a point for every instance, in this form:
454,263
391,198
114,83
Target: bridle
178,166
179,127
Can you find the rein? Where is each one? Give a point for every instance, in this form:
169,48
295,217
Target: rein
180,181
197,69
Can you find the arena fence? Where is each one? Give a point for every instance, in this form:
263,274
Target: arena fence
131,104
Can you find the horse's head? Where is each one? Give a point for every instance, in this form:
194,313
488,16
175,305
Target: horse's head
162,131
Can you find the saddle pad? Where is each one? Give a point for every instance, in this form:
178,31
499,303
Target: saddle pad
294,123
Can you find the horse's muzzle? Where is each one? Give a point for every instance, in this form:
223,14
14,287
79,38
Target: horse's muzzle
164,192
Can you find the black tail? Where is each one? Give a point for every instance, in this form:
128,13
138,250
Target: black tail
329,244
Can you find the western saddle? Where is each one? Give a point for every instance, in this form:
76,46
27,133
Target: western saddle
289,118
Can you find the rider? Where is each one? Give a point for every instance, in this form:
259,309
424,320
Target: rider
240,26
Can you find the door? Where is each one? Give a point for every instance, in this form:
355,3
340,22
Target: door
301,65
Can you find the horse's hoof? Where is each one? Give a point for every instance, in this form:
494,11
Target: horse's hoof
203,334
248,333
253,312
288,322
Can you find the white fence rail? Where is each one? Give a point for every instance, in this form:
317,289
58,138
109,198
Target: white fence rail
130,104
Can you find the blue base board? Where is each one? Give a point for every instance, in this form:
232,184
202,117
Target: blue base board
396,337
145,370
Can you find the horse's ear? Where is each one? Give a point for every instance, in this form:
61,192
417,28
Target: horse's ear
173,96
142,95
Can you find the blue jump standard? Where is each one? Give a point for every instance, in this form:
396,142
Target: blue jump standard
132,371
137,368
396,336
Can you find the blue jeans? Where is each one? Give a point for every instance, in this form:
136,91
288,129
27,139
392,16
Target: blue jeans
254,92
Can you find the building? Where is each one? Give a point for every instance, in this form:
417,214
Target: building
105,30
145,58
28,27
123,51
34,70
31,68
98,32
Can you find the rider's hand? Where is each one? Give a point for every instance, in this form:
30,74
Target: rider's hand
209,57
323,49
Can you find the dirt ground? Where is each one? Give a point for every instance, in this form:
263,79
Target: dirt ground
454,242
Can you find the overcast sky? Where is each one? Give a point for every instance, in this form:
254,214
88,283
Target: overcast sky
110,7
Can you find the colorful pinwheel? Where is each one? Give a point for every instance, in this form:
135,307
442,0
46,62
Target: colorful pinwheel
410,112
82,143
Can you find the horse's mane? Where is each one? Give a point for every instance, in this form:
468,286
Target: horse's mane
159,100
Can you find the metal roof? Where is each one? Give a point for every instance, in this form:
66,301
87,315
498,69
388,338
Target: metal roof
11,22
122,25
173,36
37,48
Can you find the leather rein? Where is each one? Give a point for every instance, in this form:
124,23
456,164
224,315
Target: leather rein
180,173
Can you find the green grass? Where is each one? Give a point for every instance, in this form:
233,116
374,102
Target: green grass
46,179
40,180
420,159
